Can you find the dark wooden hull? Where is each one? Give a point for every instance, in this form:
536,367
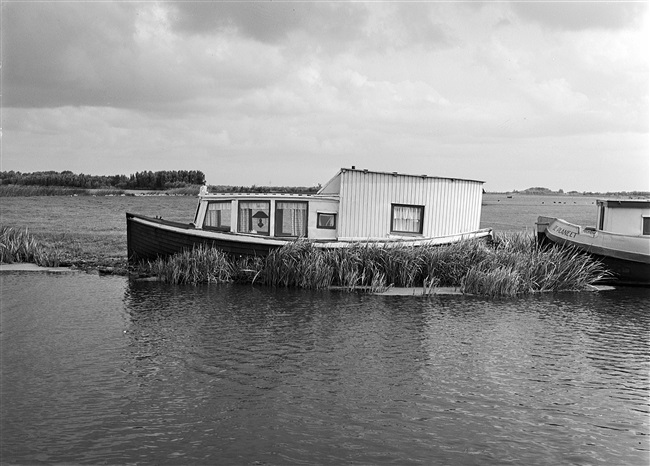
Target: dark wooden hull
149,238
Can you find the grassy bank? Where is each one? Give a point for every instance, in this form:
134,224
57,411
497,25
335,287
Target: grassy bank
17,245
512,265
82,250
13,190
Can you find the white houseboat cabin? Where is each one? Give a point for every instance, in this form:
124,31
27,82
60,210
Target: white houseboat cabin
354,206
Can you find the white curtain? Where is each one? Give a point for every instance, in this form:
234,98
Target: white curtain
407,219
218,214
294,218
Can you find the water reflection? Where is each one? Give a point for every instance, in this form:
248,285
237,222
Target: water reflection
143,372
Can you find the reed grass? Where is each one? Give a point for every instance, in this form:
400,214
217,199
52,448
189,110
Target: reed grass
513,264
18,245
518,265
199,265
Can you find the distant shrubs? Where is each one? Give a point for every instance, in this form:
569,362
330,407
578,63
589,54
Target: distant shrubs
166,179
13,190
17,245
512,265
16,190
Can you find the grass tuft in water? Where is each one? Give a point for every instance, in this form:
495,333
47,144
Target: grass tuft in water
512,264
200,265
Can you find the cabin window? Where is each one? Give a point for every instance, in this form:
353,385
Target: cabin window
326,221
290,219
254,217
218,216
646,225
406,218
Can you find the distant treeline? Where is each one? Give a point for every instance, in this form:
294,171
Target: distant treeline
168,179
545,191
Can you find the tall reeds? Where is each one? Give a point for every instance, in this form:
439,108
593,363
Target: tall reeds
517,264
512,264
200,265
18,245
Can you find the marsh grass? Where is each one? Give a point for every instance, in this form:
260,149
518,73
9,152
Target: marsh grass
512,264
517,264
18,245
197,266
13,190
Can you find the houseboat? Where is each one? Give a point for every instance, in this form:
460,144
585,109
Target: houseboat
621,240
355,206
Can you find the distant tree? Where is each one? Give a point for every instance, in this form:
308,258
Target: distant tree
139,180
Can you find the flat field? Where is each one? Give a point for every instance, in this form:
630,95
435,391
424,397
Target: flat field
92,230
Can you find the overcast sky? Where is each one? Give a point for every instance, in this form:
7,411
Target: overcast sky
517,94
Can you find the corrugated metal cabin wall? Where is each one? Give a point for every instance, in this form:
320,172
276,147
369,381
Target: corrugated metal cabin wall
455,207
365,204
452,206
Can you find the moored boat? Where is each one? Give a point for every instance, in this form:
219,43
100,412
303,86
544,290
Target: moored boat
621,240
355,206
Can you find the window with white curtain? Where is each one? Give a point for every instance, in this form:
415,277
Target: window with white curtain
254,217
291,219
218,216
406,218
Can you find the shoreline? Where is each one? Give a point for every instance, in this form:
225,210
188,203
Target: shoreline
391,291
31,267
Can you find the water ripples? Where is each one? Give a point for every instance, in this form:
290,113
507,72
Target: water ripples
142,372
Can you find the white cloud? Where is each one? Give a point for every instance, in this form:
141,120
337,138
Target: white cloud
447,89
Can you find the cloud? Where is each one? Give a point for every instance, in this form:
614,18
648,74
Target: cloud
581,15
451,89
271,22
121,55
58,52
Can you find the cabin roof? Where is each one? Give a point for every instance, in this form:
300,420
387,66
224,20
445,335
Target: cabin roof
625,203
335,178
266,196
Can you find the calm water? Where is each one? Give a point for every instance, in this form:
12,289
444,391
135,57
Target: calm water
111,371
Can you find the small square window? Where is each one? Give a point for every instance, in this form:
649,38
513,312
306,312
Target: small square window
326,221
406,218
